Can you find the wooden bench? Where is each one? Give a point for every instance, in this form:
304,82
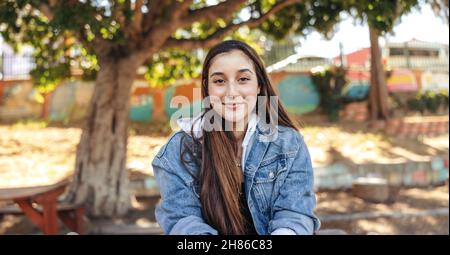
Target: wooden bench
40,205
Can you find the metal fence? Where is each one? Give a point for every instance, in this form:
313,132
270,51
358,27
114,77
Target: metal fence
12,66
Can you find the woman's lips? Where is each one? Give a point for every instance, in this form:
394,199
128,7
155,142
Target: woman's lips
232,106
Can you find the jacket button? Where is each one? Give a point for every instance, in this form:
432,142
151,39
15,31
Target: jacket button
270,174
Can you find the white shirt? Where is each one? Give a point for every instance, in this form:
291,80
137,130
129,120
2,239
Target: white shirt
186,124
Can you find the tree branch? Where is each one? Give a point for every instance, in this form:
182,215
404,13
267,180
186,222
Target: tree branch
211,13
137,18
118,15
100,46
216,37
177,10
45,9
157,35
150,17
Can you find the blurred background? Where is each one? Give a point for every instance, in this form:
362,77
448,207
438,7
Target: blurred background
86,86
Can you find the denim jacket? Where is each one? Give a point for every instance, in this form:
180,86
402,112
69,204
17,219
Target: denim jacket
278,179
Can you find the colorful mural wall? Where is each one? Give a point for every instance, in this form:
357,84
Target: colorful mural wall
62,102
358,85
407,174
402,80
141,103
298,94
70,100
434,81
185,100
19,100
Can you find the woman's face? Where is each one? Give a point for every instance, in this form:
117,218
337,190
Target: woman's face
233,86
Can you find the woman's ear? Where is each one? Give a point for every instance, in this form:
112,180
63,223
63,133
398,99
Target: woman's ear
259,89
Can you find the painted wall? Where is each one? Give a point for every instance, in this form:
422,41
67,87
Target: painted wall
19,100
70,100
184,99
358,85
407,174
402,80
434,81
298,94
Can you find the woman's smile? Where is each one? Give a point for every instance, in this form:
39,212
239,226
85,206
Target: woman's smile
232,106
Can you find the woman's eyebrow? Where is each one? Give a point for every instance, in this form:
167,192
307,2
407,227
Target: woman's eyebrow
244,70
239,71
216,73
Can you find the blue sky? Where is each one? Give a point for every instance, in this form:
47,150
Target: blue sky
422,25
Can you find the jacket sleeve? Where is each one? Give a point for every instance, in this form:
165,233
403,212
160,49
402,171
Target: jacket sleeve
179,211
294,207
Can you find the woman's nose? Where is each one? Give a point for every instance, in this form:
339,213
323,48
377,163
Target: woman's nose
232,90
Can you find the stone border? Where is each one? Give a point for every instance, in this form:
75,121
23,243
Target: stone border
341,175
374,215
429,126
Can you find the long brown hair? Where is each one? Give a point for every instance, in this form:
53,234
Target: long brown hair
219,178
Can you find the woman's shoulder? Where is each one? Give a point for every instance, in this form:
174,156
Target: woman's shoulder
289,132
289,138
169,157
173,145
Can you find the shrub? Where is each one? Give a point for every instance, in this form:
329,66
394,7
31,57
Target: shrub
329,82
429,101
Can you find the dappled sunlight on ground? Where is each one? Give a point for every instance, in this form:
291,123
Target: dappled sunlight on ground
379,226
438,143
425,225
38,155
41,155
331,144
142,150
407,201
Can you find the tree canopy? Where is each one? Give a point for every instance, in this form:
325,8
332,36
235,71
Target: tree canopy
64,34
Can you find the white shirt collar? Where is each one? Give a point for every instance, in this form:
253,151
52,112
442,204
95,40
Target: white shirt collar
197,123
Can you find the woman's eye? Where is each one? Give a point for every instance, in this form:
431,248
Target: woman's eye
242,79
219,81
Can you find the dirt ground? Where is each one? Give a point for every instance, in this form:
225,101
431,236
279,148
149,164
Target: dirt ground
408,201
424,225
35,154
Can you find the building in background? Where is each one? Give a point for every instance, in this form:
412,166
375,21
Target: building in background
15,65
415,54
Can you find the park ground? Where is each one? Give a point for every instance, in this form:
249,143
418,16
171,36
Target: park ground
36,153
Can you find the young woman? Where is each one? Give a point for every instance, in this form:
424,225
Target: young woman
241,166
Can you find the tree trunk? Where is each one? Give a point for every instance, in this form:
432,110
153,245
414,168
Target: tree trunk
100,178
378,90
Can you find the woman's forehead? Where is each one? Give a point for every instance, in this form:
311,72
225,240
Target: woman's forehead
231,62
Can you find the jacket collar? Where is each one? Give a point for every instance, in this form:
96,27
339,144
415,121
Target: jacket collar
196,124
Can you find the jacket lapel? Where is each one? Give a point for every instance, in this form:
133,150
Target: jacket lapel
256,153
